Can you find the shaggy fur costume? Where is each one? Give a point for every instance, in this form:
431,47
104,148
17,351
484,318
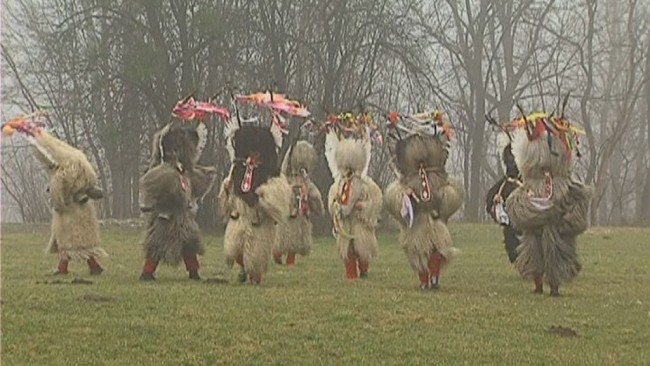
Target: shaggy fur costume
170,193
499,193
72,188
255,197
355,203
295,235
424,185
551,209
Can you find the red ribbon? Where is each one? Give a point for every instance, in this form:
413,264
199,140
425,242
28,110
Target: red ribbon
345,192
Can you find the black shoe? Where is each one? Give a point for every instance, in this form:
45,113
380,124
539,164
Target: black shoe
96,271
435,283
194,275
146,276
242,277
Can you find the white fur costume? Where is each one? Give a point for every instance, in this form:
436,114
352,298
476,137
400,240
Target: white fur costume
254,197
294,236
354,201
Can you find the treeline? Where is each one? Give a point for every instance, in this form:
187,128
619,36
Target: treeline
110,72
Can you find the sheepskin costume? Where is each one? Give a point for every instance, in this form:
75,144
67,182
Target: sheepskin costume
423,196
254,197
294,236
354,199
551,208
72,188
497,195
171,190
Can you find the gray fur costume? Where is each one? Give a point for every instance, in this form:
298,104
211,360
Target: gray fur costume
551,208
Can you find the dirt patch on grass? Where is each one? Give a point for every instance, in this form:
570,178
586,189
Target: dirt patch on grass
562,331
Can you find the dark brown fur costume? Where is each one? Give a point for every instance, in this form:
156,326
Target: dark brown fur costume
171,190
421,158
253,206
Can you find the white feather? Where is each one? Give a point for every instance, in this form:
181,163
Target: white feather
202,131
519,143
285,162
229,133
276,131
331,142
164,131
502,141
368,148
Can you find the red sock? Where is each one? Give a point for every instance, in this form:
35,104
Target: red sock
351,269
277,256
291,259
191,261
149,266
63,266
539,284
425,278
93,264
255,278
435,262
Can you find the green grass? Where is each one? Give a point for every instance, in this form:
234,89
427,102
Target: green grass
308,314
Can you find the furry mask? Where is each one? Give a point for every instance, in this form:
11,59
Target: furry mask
545,146
255,161
348,143
300,159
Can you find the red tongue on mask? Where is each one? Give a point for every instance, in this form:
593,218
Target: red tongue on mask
424,182
184,182
303,206
247,182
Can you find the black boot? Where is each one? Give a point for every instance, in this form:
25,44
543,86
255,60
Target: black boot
539,285
194,275
147,276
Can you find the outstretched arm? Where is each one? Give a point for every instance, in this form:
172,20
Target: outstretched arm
576,209
393,201
315,199
275,198
223,198
452,198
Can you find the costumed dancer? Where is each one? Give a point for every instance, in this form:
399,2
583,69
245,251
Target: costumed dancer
72,189
173,187
294,236
495,200
423,196
551,208
254,196
354,199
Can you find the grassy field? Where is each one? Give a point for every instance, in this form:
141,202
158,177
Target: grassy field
308,314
